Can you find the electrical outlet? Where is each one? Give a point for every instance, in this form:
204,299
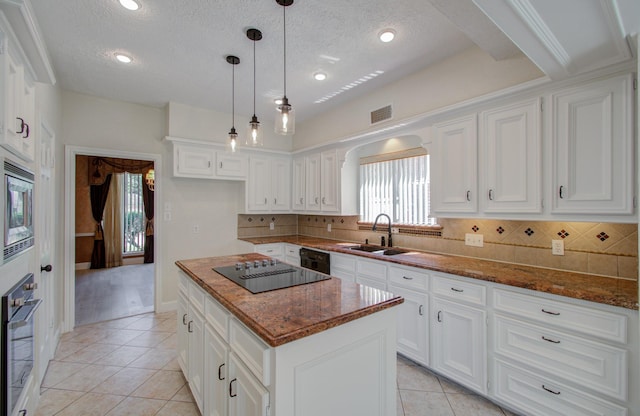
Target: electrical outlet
557,247
167,215
195,228
272,225
329,227
474,240
395,230
167,206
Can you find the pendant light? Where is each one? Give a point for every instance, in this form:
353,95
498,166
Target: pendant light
254,138
233,136
285,116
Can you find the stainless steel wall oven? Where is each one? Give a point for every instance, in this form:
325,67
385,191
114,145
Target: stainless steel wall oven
18,309
18,209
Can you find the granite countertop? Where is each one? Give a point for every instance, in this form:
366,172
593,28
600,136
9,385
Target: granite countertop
601,289
284,315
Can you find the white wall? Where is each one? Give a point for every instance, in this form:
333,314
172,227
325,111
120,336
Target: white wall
100,123
469,74
208,125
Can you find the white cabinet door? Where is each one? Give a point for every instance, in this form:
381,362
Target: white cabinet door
313,180
195,328
329,184
458,343
231,166
259,184
183,335
215,383
298,187
292,254
413,324
192,161
280,185
592,148
247,397
511,143
454,166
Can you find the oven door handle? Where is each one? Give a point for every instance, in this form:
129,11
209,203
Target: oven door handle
33,304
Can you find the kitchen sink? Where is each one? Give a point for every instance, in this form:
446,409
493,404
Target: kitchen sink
379,250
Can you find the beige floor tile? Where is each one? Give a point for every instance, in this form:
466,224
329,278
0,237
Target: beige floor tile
122,356
170,342
422,403
162,385
472,405
92,404
120,336
122,322
52,401
179,409
88,377
58,371
172,366
166,315
411,377
183,395
169,325
66,348
90,354
125,381
90,335
451,387
145,323
155,359
135,406
149,339
399,409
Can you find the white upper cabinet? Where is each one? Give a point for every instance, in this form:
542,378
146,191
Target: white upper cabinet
298,190
592,148
231,165
193,161
329,183
312,181
510,139
454,165
269,183
17,98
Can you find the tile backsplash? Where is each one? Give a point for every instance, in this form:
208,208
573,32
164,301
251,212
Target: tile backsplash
609,249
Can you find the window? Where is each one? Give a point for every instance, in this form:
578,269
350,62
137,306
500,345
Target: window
132,214
398,187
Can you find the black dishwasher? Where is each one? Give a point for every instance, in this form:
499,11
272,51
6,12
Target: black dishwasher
315,260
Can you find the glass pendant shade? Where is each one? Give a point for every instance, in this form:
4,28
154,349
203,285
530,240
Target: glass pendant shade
285,118
233,135
254,133
233,139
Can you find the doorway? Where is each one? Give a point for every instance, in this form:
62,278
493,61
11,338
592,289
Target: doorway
131,287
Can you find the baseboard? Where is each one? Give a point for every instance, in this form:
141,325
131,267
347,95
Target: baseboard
167,306
83,266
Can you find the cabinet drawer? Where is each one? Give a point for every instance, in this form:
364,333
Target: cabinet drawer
408,277
292,250
271,250
217,316
251,350
591,364
343,262
538,396
459,290
196,297
588,321
372,269
372,284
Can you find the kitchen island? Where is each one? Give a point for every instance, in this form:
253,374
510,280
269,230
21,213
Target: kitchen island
323,348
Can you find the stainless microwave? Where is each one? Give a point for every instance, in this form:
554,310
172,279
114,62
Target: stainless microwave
18,209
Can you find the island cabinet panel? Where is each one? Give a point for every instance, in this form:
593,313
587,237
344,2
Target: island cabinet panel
349,369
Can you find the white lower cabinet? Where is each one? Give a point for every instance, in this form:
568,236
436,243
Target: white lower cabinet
412,324
273,250
343,266
247,397
372,273
216,369
458,343
292,254
536,395
195,329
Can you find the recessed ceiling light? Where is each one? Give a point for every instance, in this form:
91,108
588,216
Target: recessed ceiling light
387,35
130,4
320,76
123,58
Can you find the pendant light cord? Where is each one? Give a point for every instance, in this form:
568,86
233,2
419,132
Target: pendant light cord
284,31
254,78
233,96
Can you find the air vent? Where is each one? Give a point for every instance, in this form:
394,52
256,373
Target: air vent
381,114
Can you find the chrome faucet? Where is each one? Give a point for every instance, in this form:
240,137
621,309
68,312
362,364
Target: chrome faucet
375,225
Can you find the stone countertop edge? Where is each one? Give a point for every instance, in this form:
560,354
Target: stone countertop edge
601,289
285,315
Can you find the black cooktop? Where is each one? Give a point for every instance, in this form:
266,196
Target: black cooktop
265,275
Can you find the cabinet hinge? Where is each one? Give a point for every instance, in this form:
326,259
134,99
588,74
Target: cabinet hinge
635,83
542,203
541,106
635,201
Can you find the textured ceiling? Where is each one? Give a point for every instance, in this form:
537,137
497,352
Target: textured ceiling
178,47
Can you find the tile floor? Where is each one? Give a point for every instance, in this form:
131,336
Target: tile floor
128,366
